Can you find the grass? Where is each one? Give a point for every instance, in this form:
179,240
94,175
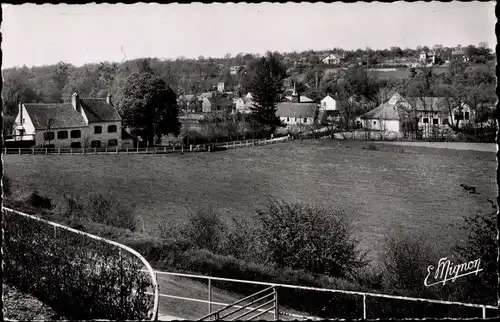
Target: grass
417,191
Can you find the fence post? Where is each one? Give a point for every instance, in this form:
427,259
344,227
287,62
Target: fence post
182,148
4,150
106,150
137,148
59,150
173,148
484,312
165,149
209,296
55,232
364,306
19,151
227,145
33,151
190,147
45,151
116,150
155,150
146,150
70,150
158,290
276,306
95,150
127,150
234,145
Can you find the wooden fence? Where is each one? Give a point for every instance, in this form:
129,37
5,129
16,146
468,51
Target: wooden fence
150,150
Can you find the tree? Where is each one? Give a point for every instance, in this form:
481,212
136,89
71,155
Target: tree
59,78
149,106
267,90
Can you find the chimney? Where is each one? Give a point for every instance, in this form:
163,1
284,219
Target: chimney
21,114
295,96
108,99
75,101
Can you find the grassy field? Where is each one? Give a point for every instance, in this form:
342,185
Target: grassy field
386,191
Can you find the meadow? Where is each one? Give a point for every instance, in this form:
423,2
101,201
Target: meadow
393,189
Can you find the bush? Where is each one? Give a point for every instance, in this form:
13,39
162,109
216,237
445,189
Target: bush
38,201
317,240
372,147
79,277
107,210
205,230
6,186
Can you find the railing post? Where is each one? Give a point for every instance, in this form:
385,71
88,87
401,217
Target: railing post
165,149
33,151
484,312
106,151
55,232
45,151
234,145
227,145
158,292
71,151
155,150
190,147
364,306
182,148
59,150
127,150
5,151
95,150
276,305
116,150
209,296
173,148
19,151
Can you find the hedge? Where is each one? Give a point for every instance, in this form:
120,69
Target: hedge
79,277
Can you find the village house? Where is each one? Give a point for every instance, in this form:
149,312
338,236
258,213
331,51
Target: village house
383,118
220,87
243,104
89,122
427,58
188,103
216,103
233,70
331,59
297,112
440,111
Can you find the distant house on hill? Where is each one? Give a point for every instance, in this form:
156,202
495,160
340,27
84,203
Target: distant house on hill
331,59
243,104
328,103
188,103
85,122
458,54
297,113
233,70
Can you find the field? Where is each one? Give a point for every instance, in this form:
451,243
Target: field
386,191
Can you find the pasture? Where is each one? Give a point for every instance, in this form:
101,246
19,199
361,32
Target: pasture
385,191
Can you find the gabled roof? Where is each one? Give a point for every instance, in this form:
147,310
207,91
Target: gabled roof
296,109
62,115
206,94
437,104
384,112
187,98
223,101
303,99
99,110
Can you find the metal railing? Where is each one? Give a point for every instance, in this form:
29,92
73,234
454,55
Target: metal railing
280,312
149,269
239,307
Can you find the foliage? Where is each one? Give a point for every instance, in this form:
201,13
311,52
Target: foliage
148,105
6,186
79,277
100,208
267,89
317,240
205,230
481,243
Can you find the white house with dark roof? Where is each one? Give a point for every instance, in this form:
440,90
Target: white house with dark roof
92,122
384,118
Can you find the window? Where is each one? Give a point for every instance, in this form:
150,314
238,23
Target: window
435,121
466,115
22,122
61,135
76,145
374,122
75,134
95,144
295,119
48,136
97,129
113,142
458,116
111,128
445,121
426,120
288,119
305,119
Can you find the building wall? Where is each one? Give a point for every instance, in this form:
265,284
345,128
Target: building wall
29,128
61,143
382,125
328,104
104,136
297,120
206,106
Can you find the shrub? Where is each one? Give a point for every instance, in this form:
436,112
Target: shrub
205,230
38,201
372,147
317,240
6,186
79,277
406,260
107,210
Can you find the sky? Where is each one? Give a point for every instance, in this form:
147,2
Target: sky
35,35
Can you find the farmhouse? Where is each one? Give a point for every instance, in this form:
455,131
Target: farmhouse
331,59
328,103
188,103
440,111
297,113
243,104
216,103
382,118
89,122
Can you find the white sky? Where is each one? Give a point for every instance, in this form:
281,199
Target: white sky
79,34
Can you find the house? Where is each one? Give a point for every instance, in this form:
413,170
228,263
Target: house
243,104
440,111
233,70
188,103
328,103
331,60
458,54
293,113
216,103
89,122
220,87
384,118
